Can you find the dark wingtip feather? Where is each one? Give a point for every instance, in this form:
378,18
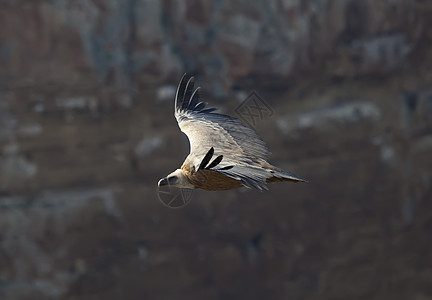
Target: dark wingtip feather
206,159
215,162
208,110
188,99
225,168
194,99
199,106
188,92
179,98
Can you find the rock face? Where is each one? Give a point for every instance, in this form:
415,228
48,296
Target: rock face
86,130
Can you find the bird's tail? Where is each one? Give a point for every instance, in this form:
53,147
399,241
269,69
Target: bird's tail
282,175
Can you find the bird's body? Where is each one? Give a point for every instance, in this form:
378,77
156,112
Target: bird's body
210,180
224,154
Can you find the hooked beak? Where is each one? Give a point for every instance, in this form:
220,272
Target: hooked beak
163,181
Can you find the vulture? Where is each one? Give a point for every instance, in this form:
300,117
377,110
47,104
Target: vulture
224,154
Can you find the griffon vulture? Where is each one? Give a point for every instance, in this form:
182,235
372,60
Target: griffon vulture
224,154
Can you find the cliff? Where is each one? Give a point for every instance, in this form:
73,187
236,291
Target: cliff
86,131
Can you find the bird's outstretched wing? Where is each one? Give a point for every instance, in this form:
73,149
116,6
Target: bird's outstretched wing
244,152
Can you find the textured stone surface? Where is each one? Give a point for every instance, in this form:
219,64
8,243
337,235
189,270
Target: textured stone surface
86,130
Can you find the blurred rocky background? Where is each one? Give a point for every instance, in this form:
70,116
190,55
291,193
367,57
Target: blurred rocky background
87,130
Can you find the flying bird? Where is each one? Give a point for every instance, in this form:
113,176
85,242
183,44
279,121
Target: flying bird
224,154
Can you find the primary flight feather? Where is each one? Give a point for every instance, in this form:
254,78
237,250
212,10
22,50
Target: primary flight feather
224,154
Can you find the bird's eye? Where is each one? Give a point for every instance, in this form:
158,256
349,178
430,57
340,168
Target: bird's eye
172,180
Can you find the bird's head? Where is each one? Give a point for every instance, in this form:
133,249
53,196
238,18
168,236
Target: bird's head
176,179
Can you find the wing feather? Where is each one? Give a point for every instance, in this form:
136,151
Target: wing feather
206,159
215,162
187,97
